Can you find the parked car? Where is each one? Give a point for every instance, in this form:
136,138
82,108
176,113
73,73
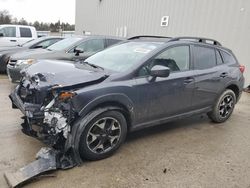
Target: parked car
86,109
70,49
13,35
6,52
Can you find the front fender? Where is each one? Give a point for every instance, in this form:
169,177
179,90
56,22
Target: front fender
109,98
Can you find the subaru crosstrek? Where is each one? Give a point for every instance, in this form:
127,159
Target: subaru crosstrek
85,109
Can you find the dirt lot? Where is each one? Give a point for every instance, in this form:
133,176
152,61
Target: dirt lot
188,153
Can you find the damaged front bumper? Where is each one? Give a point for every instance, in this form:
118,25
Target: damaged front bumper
48,120
38,120
46,123
48,115
28,111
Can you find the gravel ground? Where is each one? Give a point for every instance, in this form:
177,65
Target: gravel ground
189,153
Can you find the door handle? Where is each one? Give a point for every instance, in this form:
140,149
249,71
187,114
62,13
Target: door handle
224,74
188,80
12,40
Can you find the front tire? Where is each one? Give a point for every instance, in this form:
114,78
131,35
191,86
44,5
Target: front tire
223,107
103,135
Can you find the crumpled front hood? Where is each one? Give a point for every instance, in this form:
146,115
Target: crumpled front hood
63,74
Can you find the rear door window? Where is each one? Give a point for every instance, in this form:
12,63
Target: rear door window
25,32
204,57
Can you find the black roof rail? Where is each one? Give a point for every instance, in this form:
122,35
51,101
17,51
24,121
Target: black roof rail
147,36
197,39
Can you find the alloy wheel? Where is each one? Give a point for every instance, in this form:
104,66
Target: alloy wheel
226,106
103,135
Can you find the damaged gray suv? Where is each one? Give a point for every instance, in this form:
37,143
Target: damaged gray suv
85,110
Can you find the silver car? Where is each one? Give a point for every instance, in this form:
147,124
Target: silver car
69,49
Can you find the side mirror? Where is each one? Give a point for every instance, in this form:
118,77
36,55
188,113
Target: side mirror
78,51
1,35
159,71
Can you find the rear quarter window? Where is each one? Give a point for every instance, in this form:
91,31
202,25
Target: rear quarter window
25,32
204,57
228,58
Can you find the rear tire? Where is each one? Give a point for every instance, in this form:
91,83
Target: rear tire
103,135
223,107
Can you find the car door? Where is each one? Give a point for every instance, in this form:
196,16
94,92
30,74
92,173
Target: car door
208,76
88,48
9,37
164,97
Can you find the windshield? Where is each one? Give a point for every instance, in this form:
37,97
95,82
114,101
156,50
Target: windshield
64,44
122,57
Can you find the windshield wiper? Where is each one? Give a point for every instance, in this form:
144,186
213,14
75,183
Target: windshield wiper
92,65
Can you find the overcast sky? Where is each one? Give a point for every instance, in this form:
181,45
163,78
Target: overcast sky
41,10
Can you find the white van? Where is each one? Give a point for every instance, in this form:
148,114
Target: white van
13,35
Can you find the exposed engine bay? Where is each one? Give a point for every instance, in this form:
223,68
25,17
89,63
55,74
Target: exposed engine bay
49,121
57,122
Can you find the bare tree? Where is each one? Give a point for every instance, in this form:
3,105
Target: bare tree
5,17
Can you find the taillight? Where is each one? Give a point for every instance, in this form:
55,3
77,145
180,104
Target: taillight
242,68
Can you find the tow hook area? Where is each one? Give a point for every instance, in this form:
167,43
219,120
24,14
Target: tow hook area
47,159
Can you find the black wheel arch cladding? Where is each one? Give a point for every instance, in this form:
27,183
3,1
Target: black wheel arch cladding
79,126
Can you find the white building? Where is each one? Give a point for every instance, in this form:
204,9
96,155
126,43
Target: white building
227,21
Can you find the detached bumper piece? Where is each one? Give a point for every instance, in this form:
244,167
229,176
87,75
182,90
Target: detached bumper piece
47,160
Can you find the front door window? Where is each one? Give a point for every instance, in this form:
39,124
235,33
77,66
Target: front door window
8,31
176,59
